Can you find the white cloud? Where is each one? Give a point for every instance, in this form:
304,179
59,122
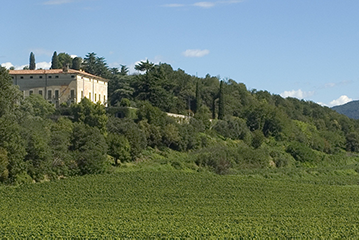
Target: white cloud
340,101
297,94
7,65
204,4
57,2
43,65
174,5
195,53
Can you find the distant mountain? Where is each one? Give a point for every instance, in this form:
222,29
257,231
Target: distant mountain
350,109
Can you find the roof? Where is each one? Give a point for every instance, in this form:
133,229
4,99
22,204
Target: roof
54,71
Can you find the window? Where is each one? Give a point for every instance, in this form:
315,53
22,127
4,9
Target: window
40,92
99,97
31,92
50,76
40,76
56,94
82,94
56,76
49,94
21,77
95,97
31,77
104,98
90,96
72,94
72,76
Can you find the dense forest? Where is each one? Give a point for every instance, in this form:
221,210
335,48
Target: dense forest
229,127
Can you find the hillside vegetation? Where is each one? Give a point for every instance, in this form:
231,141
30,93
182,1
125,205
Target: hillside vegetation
231,130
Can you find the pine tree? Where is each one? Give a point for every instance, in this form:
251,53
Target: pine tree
55,61
221,102
32,64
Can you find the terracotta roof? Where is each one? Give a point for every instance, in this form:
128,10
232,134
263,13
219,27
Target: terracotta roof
53,71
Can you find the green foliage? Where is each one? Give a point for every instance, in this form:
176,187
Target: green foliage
92,114
301,152
352,142
55,61
147,205
90,149
118,147
76,63
257,139
39,106
221,102
96,65
38,152
64,60
32,64
171,135
234,128
152,114
4,161
10,95
133,133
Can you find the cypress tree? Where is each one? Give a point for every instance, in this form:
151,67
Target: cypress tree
76,63
221,102
32,64
198,97
55,61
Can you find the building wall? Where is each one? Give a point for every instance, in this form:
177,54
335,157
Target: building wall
91,88
62,87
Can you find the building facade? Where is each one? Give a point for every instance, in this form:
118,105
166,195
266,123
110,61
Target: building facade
61,85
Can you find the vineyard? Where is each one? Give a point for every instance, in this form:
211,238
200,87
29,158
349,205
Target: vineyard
171,204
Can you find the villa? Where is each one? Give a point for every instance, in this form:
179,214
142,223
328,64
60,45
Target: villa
61,85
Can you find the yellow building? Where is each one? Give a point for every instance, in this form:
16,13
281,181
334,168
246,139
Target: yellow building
61,85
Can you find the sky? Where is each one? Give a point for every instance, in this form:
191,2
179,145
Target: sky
308,49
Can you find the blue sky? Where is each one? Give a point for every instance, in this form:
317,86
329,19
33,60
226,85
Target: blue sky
302,48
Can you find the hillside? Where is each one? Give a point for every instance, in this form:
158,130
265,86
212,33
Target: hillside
350,109
231,129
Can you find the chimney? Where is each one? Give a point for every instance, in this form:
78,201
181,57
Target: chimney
66,68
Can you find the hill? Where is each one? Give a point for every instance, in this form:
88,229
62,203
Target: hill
350,109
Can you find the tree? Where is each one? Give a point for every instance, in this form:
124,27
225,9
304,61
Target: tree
96,65
4,162
64,60
124,70
76,63
198,98
144,66
118,147
55,61
221,102
40,106
90,149
10,95
89,113
32,64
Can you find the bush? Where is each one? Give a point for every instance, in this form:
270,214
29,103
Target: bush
301,153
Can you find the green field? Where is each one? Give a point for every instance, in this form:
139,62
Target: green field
174,204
